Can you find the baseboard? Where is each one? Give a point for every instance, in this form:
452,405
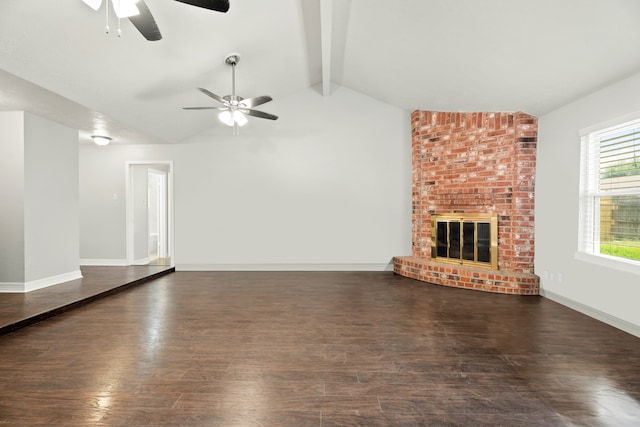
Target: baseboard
12,287
104,262
285,267
616,322
16,287
141,261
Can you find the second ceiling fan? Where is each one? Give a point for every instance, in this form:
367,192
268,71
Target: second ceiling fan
234,108
140,16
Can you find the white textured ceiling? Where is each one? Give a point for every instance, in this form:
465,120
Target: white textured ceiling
459,55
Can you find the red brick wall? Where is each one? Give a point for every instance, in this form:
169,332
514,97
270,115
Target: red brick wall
459,276
470,163
476,162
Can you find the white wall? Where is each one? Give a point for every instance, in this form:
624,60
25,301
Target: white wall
12,197
39,213
51,199
102,198
606,293
327,186
102,204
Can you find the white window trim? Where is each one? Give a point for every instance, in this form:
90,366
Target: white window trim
599,127
616,263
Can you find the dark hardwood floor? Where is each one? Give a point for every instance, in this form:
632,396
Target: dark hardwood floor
18,310
318,349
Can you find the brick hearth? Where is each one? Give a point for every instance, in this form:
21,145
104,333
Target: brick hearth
475,163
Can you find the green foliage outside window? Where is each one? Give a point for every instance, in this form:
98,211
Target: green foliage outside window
619,215
628,168
622,249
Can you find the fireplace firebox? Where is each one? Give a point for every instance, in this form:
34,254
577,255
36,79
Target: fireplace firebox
465,238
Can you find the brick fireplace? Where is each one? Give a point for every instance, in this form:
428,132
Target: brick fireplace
474,163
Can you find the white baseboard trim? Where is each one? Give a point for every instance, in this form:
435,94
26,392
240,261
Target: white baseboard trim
285,267
141,261
16,287
104,262
11,287
616,322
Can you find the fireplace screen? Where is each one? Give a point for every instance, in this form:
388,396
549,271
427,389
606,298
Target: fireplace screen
465,239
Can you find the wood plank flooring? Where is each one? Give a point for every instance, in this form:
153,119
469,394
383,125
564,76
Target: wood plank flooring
318,349
18,310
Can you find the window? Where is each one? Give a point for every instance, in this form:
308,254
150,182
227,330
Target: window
610,192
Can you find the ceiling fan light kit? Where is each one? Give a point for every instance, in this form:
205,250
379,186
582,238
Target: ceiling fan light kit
140,16
235,108
125,8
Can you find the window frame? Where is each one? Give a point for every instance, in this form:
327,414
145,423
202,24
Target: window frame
589,216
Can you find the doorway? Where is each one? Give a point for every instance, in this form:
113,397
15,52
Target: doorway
157,216
150,213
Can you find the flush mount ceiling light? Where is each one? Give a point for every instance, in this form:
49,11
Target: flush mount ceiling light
101,139
235,108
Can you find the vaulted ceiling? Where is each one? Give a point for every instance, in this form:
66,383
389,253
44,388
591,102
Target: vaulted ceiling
455,55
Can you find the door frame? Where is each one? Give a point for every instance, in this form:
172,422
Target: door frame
129,208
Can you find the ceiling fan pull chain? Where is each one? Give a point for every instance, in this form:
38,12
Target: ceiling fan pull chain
119,30
106,9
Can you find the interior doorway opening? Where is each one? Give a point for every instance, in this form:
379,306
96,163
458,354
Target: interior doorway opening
157,216
150,213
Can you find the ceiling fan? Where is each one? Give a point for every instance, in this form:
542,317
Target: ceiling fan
234,107
140,16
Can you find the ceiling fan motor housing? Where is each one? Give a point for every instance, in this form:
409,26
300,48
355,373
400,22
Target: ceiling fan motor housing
232,59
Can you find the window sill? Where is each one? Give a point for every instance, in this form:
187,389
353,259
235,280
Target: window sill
620,264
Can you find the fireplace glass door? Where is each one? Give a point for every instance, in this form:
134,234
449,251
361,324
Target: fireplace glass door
465,239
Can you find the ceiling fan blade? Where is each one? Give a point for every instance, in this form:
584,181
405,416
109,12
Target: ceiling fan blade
216,5
145,23
255,101
93,4
213,95
257,113
201,108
